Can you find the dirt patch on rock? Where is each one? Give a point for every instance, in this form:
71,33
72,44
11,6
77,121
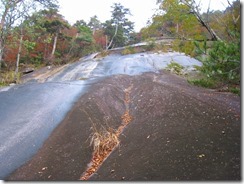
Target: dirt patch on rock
42,74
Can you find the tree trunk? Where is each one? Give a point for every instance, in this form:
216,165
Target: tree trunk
213,35
177,28
2,35
18,55
106,44
54,46
1,53
73,43
111,42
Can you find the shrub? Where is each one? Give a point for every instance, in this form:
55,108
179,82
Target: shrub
7,78
175,68
151,44
102,54
221,61
206,83
235,91
128,50
184,46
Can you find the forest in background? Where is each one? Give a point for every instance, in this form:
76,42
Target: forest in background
34,34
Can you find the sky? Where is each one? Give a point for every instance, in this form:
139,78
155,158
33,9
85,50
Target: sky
141,10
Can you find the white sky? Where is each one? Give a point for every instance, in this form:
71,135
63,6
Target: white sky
142,10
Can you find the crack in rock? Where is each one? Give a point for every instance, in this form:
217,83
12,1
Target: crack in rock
109,141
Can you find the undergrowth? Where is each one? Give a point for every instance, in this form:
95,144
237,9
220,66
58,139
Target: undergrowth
128,50
206,83
175,68
9,77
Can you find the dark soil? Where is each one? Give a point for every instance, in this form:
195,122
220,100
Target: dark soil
178,132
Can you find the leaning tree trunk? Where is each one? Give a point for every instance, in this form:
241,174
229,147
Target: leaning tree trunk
111,42
213,35
195,11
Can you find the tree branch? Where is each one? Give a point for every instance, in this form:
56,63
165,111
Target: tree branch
196,12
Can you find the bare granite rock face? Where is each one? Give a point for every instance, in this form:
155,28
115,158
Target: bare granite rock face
178,132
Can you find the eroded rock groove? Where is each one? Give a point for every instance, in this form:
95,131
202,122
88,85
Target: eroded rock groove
109,141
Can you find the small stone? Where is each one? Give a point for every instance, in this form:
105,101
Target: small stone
112,171
123,178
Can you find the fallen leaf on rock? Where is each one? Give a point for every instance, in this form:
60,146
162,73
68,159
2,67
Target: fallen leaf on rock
201,156
44,168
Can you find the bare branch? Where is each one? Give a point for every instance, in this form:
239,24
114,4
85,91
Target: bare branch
233,13
196,12
208,10
229,3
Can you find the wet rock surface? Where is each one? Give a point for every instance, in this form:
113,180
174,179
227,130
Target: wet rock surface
178,132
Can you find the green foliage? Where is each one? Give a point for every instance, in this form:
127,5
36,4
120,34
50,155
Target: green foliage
88,50
85,33
155,29
128,50
151,45
94,23
206,83
119,28
184,46
29,46
177,20
228,21
221,61
175,68
235,91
